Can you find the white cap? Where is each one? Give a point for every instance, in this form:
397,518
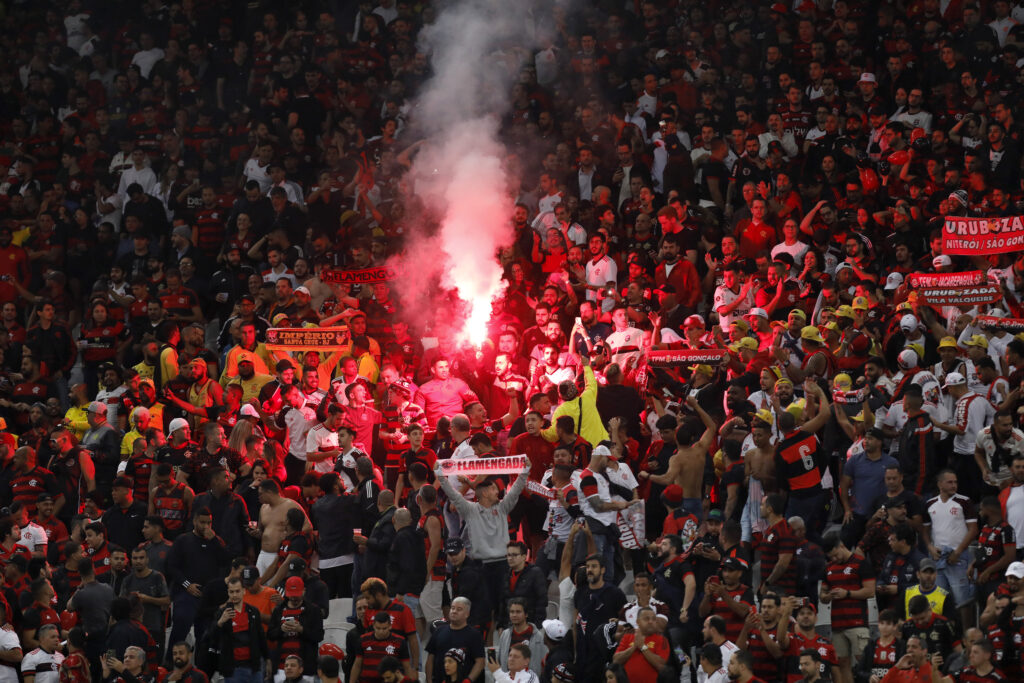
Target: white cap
1016,569
601,450
759,312
941,260
555,628
176,424
302,290
893,281
953,379
248,411
661,53
907,359
867,77
908,322
997,313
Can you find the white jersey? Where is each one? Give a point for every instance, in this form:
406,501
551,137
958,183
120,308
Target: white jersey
320,438
971,414
45,665
949,519
725,296
998,457
9,641
33,536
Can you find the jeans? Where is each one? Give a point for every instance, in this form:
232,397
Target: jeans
186,606
811,509
244,675
695,506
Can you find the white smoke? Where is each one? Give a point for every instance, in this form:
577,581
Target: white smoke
476,48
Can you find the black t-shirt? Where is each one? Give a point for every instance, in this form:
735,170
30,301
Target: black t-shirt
718,170
467,639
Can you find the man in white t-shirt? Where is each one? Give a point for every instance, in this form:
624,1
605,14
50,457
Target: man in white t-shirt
42,665
732,301
971,414
790,244
33,536
600,271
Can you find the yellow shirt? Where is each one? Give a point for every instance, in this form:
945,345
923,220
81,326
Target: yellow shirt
168,364
77,421
144,369
128,441
583,407
251,388
261,363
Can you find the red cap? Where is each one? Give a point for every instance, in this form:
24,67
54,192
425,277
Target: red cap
294,587
673,493
779,8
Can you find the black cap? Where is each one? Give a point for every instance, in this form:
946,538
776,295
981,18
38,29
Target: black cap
296,566
454,546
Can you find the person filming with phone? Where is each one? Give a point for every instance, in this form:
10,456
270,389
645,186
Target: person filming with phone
518,665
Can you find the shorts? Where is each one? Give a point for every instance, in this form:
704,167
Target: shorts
850,643
430,601
264,560
953,577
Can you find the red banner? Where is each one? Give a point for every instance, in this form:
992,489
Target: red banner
1011,325
367,276
960,296
982,236
964,279
673,357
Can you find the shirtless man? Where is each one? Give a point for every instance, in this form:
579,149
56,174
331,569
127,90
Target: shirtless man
686,467
273,526
758,472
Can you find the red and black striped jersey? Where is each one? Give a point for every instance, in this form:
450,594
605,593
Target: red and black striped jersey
733,622
797,644
402,622
850,575
373,651
777,540
797,465
993,540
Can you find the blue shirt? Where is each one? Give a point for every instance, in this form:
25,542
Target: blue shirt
868,481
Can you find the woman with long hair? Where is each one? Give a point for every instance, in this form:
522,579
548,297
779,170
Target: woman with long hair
455,666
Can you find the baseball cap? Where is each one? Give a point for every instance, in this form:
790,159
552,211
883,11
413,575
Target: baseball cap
941,260
453,546
555,629
296,565
694,321
1016,569
294,587
302,290
860,303
812,333
245,357
757,312
97,408
715,515
893,281
745,343
845,311
908,322
798,313
907,359
954,379
278,318
703,369
666,289
249,576
977,340
176,424
765,415
842,381
248,411
673,494
947,343
741,324
732,563
867,77
927,564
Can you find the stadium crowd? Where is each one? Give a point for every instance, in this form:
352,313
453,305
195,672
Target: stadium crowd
754,450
